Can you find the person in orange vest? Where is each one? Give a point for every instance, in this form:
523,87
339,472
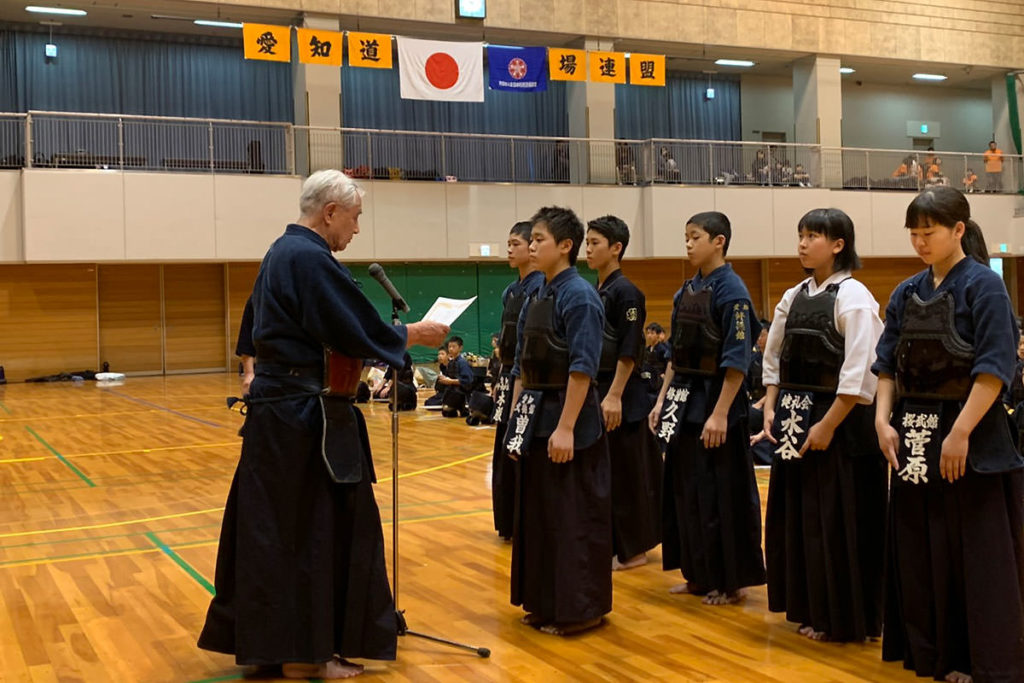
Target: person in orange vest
993,168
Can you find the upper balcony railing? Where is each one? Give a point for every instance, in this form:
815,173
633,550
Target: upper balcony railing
159,143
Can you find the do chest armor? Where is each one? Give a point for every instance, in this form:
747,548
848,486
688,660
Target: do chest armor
509,325
813,348
544,358
697,344
932,359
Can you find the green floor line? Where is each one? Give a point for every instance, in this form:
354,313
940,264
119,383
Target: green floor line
180,561
5,408
60,457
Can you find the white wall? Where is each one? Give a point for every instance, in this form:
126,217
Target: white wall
766,104
111,216
876,116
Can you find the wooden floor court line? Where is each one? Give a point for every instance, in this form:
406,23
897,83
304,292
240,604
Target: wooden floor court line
81,475
92,588
172,411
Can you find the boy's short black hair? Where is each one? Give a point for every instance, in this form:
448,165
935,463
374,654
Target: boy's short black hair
613,229
654,327
456,339
714,223
521,229
563,224
833,224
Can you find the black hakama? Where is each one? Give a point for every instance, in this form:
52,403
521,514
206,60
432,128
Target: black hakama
298,583
825,531
503,484
636,471
955,593
712,511
562,540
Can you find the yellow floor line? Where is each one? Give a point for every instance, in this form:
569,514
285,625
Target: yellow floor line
179,515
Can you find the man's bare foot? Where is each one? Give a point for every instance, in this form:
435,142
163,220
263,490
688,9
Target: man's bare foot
334,669
687,588
957,677
805,629
632,563
719,598
572,628
817,635
534,620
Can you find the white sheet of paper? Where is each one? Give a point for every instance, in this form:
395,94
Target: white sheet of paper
446,311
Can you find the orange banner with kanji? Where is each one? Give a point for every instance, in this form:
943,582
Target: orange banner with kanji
267,42
567,65
319,47
607,67
371,50
646,69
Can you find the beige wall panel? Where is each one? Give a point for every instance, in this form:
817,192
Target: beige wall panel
529,198
788,207
409,220
479,214
47,319
956,31
194,316
11,227
670,207
129,315
994,213
888,215
625,202
73,215
750,211
159,225
251,212
856,205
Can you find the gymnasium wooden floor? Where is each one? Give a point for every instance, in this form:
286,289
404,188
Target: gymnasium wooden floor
110,508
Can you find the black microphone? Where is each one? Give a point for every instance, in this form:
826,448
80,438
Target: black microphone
378,274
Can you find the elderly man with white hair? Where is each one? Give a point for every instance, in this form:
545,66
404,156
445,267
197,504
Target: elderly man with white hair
301,578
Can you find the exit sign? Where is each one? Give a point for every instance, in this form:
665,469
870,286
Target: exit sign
923,129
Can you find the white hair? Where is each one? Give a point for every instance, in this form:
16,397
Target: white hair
324,187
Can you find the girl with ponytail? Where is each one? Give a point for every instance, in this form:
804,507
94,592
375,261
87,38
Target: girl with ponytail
955,558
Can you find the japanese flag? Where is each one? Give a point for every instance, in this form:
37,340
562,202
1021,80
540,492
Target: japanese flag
437,70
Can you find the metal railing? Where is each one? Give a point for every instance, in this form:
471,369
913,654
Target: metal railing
163,143
157,143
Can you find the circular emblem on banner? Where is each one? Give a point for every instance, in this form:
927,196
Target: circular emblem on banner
442,70
631,315
517,69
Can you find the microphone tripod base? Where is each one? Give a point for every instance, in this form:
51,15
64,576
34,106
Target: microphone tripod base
403,630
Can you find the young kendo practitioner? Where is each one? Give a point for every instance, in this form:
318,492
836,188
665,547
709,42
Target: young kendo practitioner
712,511
503,472
825,523
562,540
625,402
301,581
955,548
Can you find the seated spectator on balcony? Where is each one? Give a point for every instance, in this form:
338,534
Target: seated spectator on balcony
561,167
929,158
668,169
970,181
993,168
801,177
760,169
625,163
909,171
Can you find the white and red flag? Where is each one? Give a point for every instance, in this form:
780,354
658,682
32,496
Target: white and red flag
440,70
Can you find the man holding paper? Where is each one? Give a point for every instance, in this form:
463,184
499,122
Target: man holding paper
301,579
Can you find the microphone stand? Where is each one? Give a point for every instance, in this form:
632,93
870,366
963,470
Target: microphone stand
403,628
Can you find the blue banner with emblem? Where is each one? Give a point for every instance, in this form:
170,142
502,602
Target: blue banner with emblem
519,69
